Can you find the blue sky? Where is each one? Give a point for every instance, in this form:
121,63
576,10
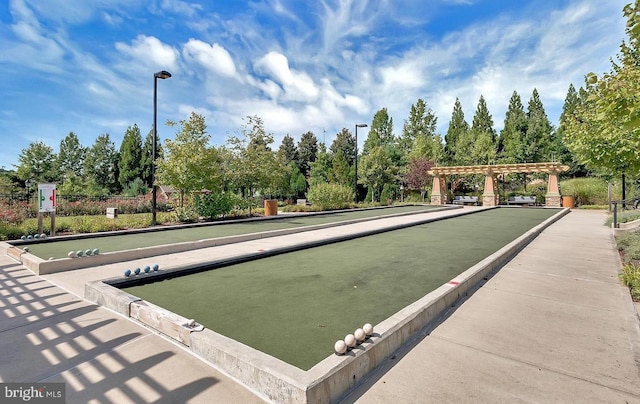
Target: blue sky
87,65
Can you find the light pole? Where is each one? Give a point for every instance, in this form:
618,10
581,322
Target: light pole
160,75
27,183
355,178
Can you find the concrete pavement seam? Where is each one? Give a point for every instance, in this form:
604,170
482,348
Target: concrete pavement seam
534,365
549,299
556,276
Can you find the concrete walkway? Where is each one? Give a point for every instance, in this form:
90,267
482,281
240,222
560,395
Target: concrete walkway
554,325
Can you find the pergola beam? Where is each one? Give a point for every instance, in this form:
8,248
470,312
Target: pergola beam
500,169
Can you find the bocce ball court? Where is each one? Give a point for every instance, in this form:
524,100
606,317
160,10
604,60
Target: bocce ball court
294,306
59,247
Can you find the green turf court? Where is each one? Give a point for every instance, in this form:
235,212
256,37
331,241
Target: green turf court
60,249
294,306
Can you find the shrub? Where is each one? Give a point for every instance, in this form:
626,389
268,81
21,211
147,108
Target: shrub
588,190
185,214
213,205
630,277
385,195
330,196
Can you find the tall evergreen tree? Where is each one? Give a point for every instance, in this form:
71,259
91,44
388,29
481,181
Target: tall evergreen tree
571,102
321,167
421,123
288,151
101,166
380,132
511,142
70,166
341,172
344,143
539,135
484,135
129,165
458,128
70,159
307,152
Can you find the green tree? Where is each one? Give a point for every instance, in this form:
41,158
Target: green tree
253,166
129,165
321,167
70,159
101,166
458,129
429,147
483,135
559,148
307,152
190,164
539,135
422,122
344,143
511,143
288,151
341,173
36,163
377,170
380,132
297,182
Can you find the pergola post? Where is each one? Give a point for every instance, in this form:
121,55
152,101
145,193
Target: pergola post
438,191
489,197
552,197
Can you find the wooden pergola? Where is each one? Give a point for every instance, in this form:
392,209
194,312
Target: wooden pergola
491,173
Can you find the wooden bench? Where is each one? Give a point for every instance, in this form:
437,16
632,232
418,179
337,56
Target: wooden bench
522,200
464,199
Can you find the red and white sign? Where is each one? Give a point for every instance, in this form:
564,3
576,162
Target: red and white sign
46,197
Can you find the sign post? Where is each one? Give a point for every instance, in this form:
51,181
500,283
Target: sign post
47,203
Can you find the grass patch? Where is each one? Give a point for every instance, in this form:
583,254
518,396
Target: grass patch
630,277
59,249
629,246
624,216
295,306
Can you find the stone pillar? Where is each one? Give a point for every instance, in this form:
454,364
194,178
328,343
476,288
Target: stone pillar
489,195
553,192
438,191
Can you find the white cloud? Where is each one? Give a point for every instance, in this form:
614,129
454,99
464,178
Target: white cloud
150,51
214,57
182,7
36,48
298,86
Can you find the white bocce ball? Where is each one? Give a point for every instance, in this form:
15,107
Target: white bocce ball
340,347
360,335
350,340
368,329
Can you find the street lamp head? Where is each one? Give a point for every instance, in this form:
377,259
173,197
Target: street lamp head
162,75
362,125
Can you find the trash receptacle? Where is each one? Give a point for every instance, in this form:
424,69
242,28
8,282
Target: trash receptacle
568,202
270,207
